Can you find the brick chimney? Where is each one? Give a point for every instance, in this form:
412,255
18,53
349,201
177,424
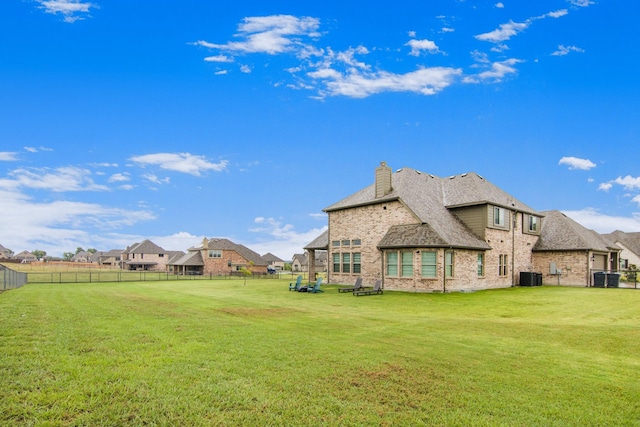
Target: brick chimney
383,180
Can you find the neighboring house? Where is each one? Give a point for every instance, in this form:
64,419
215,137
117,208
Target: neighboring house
419,232
630,245
82,256
145,255
218,257
568,253
5,253
300,262
273,262
26,256
108,259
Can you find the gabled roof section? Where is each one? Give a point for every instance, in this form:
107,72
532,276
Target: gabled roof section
269,257
430,197
191,258
243,251
630,240
561,233
319,243
145,247
471,189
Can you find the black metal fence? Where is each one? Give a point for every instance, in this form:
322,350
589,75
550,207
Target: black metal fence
10,279
615,279
125,276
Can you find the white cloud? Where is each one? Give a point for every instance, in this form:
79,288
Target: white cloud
58,226
594,220
581,3
505,32
119,177
180,162
57,180
557,14
154,179
497,72
269,34
628,182
577,163
499,5
418,46
245,69
605,186
358,84
218,58
8,156
565,50
221,72
281,239
71,10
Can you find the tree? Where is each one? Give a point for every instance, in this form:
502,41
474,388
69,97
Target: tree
38,253
92,250
78,250
67,256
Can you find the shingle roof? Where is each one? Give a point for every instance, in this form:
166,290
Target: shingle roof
430,197
561,233
145,247
320,242
630,240
191,258
243,251
269,257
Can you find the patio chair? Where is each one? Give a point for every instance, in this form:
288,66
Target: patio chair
377,290
295,286
356,287
315,288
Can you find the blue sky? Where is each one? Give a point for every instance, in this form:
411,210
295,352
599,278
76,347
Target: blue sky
166,120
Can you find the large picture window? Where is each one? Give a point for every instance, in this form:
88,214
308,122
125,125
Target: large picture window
429,264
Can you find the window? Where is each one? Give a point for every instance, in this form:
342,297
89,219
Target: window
448,264
499,217
346,242
502,267
429,264
336,263
407,264
356,263
356,242
215,253
346,263
533,224
392,263
335,243
161,255
480,265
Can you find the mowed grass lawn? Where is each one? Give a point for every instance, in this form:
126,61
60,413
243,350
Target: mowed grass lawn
194,353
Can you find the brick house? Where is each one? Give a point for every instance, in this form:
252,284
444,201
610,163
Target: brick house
144,256
569,254
419,232
218,257
629,243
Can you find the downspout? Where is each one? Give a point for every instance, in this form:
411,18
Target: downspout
513,247
588,268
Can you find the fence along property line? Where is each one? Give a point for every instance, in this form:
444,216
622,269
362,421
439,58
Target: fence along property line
121,276
10,279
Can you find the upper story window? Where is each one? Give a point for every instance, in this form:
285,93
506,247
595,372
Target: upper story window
498,216
532,224
335,243
215,253
346,242
356,242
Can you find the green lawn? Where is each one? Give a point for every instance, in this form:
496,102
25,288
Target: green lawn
223,353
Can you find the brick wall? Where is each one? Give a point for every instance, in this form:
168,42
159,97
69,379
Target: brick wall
574,266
